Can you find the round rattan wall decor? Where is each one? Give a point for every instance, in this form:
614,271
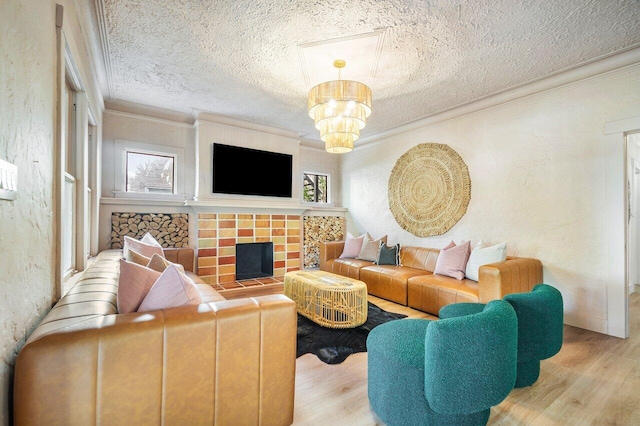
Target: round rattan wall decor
429,189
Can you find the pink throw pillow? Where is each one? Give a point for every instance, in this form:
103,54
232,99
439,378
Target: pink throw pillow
452,260
141,247
170,290
134,283
352,247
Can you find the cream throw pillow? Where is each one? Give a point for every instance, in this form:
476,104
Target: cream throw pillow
135,257
483,256
159,264
370,248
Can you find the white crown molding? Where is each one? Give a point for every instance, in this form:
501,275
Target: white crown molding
147,118
206,117
104,40
597,68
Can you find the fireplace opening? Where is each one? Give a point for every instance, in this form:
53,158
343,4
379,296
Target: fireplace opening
254,260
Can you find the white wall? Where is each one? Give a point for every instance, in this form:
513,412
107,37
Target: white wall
27,139
213,129
124,126
166,130
538,182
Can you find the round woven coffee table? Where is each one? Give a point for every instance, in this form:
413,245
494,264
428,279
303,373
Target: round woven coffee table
328,299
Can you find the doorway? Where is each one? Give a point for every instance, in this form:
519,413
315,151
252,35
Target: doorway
633,215
617,205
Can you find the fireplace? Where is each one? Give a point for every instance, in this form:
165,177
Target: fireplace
254,260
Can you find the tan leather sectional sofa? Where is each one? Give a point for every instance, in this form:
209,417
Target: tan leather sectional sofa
222,362
415,285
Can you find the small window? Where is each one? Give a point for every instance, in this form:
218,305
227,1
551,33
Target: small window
315,188
150,172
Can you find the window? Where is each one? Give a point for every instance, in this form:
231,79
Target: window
147,172
315,188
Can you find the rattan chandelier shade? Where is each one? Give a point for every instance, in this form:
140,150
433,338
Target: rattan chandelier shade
429,189
339,110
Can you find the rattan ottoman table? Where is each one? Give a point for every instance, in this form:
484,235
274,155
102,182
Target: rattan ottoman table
328,299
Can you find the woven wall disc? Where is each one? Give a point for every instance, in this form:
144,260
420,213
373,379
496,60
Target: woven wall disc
429,189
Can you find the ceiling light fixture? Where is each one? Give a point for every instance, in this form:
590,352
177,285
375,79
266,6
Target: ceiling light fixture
339,109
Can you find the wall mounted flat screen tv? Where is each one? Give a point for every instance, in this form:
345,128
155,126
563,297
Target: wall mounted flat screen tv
246,171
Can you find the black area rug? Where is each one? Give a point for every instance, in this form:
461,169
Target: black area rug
332,345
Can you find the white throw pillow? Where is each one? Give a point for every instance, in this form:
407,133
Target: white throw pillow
482,256
146,246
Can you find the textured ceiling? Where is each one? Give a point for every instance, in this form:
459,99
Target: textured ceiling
245,59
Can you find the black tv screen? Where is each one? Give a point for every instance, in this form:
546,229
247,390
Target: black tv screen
246,171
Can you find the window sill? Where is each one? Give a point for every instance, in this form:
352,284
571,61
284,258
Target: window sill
318,205
149,196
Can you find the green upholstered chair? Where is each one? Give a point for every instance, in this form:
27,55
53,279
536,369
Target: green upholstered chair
451,371
540,327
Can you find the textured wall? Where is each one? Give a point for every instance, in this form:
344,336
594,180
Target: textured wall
27,113
539,183
27,134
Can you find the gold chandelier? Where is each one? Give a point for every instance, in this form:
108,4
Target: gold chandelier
339,109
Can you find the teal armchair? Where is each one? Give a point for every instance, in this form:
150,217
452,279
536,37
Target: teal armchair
540,315
449,371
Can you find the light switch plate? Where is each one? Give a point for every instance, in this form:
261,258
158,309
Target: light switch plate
8,181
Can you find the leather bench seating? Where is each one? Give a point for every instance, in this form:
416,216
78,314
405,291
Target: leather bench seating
415,285
221,362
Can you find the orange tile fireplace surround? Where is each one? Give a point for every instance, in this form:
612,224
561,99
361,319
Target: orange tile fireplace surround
218,234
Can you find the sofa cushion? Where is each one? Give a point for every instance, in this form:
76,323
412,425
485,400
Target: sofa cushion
346,267
370,248
452,260
388,255
429,293
389,282
352,247
482,255
171,289
134,283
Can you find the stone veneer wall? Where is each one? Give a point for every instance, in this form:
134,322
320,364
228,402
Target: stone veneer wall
218,234
170,229
318,229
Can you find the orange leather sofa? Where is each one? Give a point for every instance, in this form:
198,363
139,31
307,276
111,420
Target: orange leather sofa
221,362
415,285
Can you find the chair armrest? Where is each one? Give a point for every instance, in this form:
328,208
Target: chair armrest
517,275
460,310
330,250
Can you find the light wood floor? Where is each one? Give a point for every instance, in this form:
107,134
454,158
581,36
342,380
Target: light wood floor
593,380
